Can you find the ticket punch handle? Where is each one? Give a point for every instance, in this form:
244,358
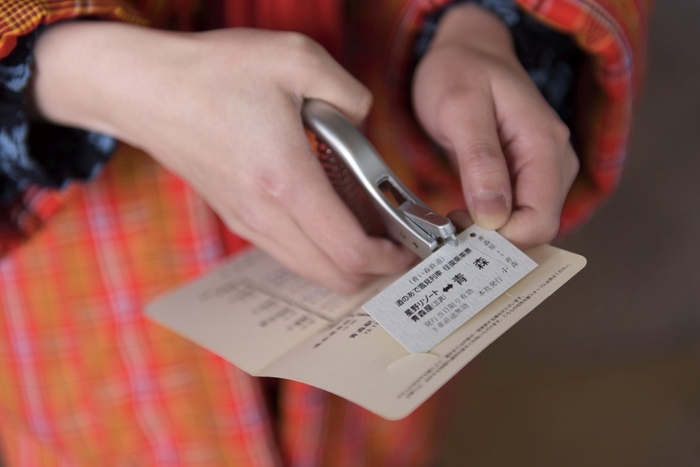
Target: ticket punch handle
408,220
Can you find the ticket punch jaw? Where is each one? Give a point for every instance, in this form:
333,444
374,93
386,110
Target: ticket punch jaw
408,220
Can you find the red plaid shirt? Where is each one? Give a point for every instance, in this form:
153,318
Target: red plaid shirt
86,380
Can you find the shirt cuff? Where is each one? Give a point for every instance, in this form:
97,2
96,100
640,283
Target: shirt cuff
39,153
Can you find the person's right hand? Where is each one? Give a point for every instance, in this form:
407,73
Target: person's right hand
222,110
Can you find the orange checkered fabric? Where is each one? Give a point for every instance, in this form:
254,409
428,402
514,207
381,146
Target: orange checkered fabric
19,17
85,380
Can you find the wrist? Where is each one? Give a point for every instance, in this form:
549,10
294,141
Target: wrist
100,76
472,26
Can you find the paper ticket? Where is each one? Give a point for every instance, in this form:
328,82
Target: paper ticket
450,286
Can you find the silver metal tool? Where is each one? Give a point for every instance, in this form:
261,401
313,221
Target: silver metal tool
408,220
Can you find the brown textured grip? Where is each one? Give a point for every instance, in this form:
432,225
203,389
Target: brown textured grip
347,186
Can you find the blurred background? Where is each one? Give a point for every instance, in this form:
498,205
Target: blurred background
607,371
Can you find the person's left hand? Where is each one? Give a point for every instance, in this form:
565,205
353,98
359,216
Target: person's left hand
474,98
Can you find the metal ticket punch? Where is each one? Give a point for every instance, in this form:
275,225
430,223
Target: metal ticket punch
408,220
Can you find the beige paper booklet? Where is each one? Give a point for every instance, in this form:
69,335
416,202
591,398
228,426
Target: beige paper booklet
270,322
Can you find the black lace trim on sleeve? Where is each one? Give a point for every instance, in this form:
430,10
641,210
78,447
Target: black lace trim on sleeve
39,153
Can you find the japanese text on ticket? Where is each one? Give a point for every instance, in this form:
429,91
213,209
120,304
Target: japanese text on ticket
450,286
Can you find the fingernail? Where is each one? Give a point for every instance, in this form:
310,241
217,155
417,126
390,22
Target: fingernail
490,209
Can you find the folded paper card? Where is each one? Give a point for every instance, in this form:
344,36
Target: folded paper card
270,322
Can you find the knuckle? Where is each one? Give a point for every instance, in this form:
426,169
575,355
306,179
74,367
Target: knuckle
273,187
560,131
482,152
296,40
549,229
455,102
482,159
233,222
575,166
301,49
359,104
353,260
363,100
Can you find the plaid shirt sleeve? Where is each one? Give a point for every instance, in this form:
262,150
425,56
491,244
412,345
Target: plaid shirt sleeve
35,154
20,17
613,34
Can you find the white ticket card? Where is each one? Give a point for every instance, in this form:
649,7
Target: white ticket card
450,286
